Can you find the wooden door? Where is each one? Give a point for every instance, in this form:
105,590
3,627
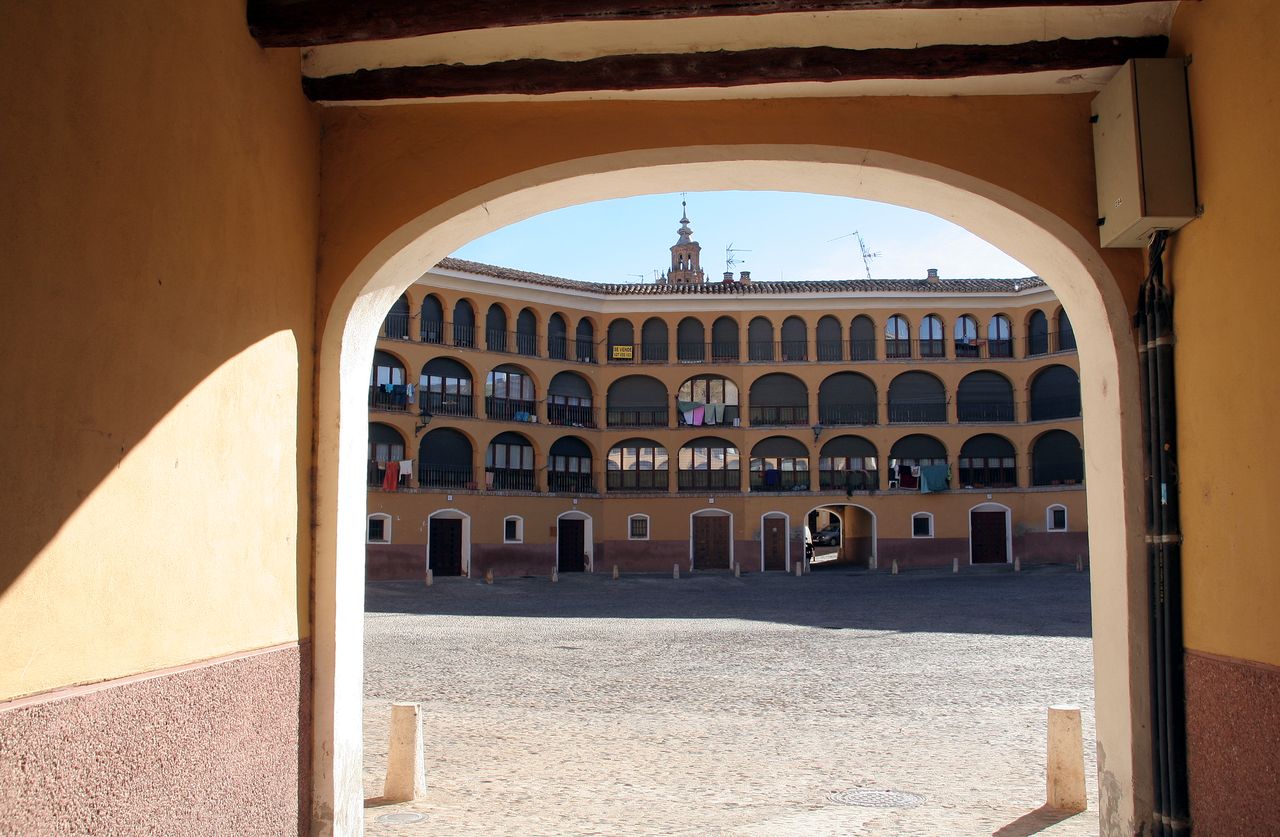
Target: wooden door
775,543
444,555
711,542
988,537
572,557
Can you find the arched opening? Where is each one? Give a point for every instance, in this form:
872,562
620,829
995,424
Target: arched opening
508,463
445,388
1037,334
932,344
637,465
778,399
691,341
711,540
760,340
653,341
966,337
444,460
862,338
449,543
569,466
985,397
724,340
527,332
575,542
910,456
584,344
999,337
988,461
708,463
1066,335
775,541
569,402
897,338
557,337
779,463
917,398
1057,459
848,464
636,401
707,400
847,398
1055,394
431,323
828,336
388,389
510,394
495,329
990,534
386,452
795,340
395,325
841,535
621,340
1052,246
464,325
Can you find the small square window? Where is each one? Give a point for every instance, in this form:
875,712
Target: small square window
1057,519
511,530
379,531
639,530
922,526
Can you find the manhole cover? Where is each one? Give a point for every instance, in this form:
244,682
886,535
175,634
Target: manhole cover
401,818
876,798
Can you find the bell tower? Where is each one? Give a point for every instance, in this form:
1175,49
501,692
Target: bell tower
685,255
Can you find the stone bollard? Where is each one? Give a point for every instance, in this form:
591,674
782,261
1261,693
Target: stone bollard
488,576
893,569
406,768
799,569
1079,564
955,565
555,575
737,570
1017,565
1065,770
430,577
615,572
675,570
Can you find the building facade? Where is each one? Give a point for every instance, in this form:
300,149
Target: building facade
519,423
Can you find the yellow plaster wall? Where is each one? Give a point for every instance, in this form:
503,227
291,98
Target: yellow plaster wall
158,223
1223,270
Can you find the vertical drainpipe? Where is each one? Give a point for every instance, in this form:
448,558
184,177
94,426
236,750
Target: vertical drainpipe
1164,548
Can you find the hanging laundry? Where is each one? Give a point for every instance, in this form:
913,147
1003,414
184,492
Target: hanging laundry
406,469
933,478
392,476
717,413
698,413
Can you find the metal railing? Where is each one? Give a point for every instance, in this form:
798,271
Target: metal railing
984,411
860,480
376,473
564,482
395,327
511,342
692,352
640,416
571,415
432,475
837,414
830,350
1051,343
778,351
779,481
382,399
1047,409
636,480
1057,473
982,349
779,415
571,348
926,412
447,404
464,336
510,409
510,479
433,331
727,479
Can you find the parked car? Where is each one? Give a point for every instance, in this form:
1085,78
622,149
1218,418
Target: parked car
827,536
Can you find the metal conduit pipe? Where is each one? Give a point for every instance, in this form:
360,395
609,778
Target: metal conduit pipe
1154,321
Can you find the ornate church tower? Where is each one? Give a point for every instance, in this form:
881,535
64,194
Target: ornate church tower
685,253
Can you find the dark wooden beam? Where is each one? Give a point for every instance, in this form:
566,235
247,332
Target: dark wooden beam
530,76
296,23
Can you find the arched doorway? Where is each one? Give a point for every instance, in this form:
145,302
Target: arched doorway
574,543
1054,246
711,540
843,535
449,543
990,535
775,541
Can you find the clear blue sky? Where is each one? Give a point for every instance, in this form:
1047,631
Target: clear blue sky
779,235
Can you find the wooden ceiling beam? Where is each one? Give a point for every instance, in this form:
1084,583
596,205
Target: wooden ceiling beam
300,23
727,69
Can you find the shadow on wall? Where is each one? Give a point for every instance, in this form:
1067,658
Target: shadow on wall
1045,601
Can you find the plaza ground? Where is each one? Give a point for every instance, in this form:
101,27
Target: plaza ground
712,705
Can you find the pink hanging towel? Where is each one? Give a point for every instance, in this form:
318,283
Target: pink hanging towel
698,413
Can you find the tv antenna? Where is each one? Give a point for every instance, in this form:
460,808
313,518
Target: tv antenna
639,276
867,255
730,259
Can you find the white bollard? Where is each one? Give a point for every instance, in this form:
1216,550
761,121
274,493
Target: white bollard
1079,564
615,572
737,570
555,575
955,565
430,577
799,569
675,570
893,570
1065,770
488,576
406,767
1017,565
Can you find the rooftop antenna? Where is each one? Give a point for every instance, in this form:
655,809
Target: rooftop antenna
867,255
639,276
730,260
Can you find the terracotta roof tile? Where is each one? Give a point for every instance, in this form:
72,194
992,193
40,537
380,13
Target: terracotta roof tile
904,286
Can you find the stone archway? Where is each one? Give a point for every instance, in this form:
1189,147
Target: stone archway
1022,228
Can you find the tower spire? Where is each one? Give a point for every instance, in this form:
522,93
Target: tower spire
685,254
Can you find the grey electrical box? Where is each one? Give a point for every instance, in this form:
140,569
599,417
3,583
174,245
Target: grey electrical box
1142,152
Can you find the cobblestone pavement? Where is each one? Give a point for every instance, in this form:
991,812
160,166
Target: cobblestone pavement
720,706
